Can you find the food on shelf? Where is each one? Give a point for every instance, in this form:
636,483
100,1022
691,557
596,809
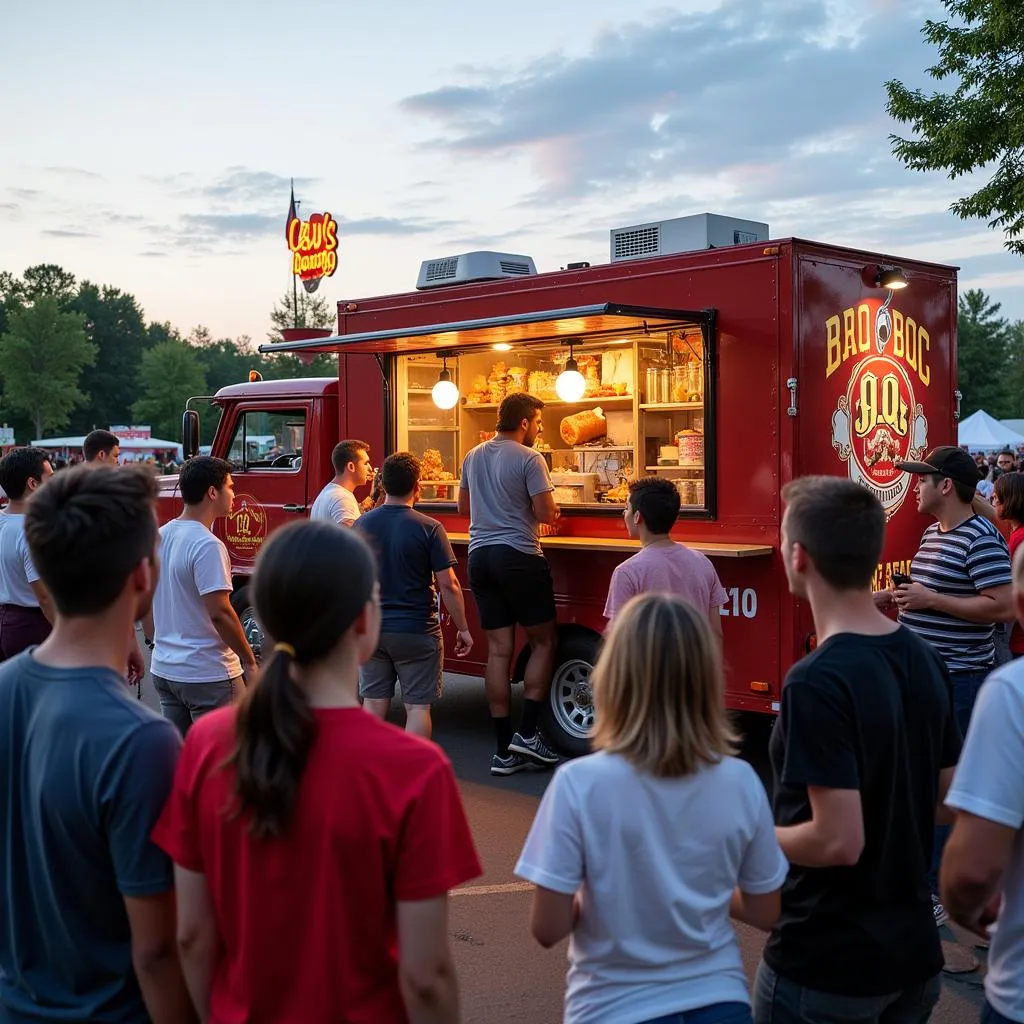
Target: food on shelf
583,426
620,492
479,392
432,466
517,379
498,382
542,384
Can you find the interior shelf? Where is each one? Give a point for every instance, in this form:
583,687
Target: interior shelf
670,406
549,403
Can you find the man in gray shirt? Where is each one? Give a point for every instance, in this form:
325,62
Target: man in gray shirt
506,491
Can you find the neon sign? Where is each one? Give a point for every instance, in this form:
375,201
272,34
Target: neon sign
314,247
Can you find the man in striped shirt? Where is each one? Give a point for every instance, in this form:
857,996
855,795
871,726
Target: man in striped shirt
961,583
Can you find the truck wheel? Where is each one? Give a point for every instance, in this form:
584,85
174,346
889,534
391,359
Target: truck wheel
247,615
569,712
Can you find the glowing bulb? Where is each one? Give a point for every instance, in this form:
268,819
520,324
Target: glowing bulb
502,346
445,392
571,384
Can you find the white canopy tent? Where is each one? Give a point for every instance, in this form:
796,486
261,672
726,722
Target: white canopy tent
133,445
983,433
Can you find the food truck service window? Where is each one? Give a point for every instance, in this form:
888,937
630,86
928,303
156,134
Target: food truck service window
647,409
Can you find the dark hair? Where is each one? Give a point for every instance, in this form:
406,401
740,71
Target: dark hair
99,441
657,500
199,474
840,524
399,474
299,602
346,452
964,492
19,466
88,529
515,408
1009,489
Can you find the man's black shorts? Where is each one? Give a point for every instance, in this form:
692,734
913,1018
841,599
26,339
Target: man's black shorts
511,587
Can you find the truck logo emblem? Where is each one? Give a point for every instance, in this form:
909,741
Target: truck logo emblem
878,421
245,527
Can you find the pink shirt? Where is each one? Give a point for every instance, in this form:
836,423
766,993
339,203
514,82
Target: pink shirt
670,570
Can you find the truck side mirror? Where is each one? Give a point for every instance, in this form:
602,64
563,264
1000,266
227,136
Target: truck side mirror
190,433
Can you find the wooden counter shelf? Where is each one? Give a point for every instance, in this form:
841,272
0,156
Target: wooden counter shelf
712,549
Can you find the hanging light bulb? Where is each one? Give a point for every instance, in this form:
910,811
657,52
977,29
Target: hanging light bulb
445,392
571,384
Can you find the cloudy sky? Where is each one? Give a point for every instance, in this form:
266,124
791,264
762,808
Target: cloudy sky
149,146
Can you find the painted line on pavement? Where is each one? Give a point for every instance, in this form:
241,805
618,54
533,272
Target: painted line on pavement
491,890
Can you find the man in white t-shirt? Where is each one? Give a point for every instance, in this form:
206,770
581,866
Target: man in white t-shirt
336,503
25,611
982,878
200,653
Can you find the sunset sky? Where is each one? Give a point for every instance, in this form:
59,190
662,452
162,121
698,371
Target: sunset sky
150,146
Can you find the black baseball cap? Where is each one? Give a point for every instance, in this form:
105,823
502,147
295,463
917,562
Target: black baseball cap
947,460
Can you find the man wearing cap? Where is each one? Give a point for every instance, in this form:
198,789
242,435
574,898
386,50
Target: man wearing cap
961,581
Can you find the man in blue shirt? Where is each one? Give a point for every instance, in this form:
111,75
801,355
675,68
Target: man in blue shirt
413,553
86,899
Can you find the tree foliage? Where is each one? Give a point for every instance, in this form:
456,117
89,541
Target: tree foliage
311,311
170,374
976,123
42,356
983,346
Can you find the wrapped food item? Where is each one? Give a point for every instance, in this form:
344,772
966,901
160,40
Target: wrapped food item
517,376
479,392
583,426
432,466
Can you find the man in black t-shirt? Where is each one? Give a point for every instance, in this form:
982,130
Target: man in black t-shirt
862,754
413,552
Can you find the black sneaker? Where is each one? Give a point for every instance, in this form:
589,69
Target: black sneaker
509,765
534,750
939,912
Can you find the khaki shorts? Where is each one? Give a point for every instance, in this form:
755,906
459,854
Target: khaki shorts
414,660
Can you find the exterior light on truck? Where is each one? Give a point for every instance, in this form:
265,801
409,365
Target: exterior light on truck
571,384
445,392
889,277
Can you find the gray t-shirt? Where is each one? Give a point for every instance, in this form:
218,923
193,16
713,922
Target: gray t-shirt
85,770
501,477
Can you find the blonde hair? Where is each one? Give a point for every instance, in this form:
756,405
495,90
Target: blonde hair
658,689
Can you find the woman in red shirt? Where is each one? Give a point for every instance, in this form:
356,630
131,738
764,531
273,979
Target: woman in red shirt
1008,501
314,845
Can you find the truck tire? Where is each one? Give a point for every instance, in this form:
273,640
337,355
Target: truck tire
247,616
569,710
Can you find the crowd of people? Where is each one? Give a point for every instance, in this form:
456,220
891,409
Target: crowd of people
268,849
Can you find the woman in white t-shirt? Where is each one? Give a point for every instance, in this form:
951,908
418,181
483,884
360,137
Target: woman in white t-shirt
642,851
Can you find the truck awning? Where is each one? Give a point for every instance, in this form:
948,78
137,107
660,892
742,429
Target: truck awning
540,325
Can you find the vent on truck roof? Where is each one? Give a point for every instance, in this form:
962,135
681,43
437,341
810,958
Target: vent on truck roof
473,266
684,234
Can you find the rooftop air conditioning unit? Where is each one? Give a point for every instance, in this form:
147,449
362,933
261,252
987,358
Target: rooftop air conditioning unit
473,266
683,234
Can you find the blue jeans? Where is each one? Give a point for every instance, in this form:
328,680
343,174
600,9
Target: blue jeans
780,1001
965,692
992,1016
718,1013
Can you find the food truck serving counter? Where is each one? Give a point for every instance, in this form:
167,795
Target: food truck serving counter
727,371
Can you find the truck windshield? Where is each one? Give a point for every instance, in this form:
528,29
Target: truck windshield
268,439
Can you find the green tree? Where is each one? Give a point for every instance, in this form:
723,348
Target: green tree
975,124
311,311
47,279
42,356
983,351
115,324
169,375
1014,372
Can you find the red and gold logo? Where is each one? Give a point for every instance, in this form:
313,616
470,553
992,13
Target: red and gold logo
314,247
878,420
245,527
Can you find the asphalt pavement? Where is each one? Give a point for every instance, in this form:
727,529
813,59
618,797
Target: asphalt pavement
504,976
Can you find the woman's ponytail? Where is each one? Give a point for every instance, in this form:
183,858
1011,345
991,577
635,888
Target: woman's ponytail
275,729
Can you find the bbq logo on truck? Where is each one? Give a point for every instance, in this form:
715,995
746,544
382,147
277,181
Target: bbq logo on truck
245,527
878,420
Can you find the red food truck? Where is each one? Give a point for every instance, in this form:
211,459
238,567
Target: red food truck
727,370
